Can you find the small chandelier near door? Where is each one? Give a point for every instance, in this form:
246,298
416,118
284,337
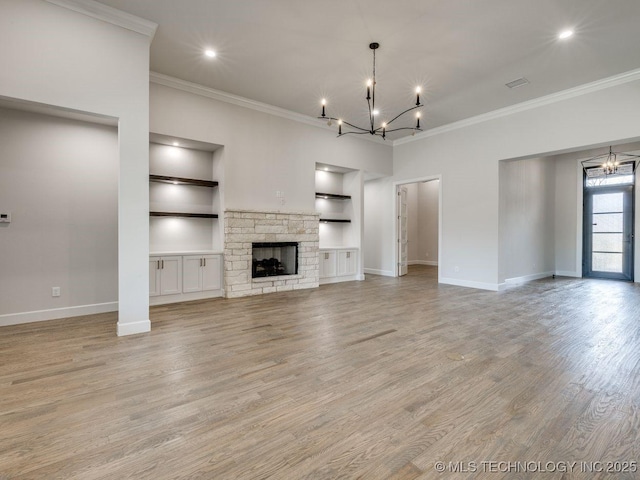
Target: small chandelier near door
612,163
373,128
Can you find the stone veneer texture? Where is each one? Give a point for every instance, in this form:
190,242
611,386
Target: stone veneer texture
243,227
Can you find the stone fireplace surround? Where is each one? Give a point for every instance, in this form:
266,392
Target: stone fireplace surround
244,227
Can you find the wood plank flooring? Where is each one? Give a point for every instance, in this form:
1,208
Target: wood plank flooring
378,379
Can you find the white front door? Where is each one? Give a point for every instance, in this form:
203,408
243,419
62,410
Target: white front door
402,231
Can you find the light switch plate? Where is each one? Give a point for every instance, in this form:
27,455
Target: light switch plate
5,218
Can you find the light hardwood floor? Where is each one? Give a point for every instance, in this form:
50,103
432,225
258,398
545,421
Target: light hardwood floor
375,379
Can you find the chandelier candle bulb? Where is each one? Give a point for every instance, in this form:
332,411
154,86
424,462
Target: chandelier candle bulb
417,96
368,89
324,103
418,121
339,127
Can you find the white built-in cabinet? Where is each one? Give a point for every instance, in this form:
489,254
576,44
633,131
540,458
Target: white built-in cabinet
347,262
178,278
327,263
201,273
339,193
338,265
165,275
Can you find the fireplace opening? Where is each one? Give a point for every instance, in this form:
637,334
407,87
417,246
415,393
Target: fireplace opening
274,259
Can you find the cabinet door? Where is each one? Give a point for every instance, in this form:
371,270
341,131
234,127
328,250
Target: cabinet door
154,276
211,272
191,273
327,263
170,275
347,261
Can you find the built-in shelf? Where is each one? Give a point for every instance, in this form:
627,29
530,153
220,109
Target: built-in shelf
183,181
332,196
333,220
187,215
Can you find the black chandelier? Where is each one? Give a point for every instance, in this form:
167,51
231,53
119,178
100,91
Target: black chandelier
612,163
383,128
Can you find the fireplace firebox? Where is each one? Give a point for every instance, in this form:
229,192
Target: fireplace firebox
272,259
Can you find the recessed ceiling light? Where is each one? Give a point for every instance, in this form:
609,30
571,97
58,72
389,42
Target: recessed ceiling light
565,34
210,53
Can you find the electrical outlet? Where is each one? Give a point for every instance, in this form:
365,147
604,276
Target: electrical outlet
55,291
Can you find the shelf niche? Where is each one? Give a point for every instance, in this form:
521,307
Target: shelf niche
182,188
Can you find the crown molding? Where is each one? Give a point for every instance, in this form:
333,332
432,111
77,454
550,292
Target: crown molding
591,87
197,89
201,90
110,15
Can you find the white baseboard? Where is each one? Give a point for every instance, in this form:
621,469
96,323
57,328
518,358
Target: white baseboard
184,297
528,278
56,313
133,328
470,284
429,263
384,273
344,278
566,273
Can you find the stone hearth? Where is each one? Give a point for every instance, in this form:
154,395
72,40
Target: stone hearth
244,227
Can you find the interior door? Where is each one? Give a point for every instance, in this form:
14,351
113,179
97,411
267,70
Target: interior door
403,237
608,232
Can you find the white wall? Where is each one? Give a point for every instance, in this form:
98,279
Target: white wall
263,153
567,230
58,57
467,159
379,233
59,181
527,219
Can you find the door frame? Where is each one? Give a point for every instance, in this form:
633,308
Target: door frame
585,228
402,266
396,213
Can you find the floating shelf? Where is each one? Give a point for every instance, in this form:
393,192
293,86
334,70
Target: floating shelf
333,220
332,196
180,214
183,181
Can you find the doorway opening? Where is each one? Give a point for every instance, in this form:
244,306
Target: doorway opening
608,227
417,224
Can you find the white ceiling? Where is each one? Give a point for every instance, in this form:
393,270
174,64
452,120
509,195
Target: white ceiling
291,53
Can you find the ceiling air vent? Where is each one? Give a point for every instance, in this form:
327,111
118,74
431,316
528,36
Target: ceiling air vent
518,82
